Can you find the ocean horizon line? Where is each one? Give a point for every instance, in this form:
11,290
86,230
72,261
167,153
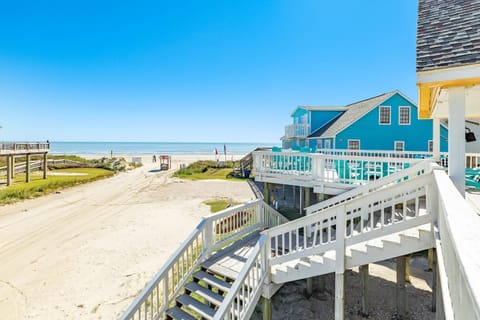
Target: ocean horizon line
141,148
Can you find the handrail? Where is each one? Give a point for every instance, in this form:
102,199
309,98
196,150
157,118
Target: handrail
458,226
241,299
420,168
23,147
213,232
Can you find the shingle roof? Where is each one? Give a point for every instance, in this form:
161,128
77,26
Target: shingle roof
448,33
354,112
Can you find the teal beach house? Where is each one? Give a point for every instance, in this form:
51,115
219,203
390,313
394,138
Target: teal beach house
386,122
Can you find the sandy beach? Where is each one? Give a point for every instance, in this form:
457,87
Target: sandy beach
86,252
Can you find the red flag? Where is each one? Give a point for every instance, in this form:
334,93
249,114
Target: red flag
216,151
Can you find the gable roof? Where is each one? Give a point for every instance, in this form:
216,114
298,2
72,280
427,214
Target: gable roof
317,133
319,108
448,34
354,112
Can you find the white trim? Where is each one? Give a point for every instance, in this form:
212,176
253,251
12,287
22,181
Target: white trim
380,115
409,116
352,140
445,74
395,145
327,142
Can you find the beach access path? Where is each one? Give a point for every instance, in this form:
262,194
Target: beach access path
87,251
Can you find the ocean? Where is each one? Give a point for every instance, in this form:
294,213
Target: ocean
134,148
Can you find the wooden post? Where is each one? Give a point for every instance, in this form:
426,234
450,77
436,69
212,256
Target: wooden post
307,198
27,168
321,283
301,200
9,168
407,269
44,166
267,309
430,259
364,281
401,288
266,192
309,288
12,168
340,265
294,196
434,280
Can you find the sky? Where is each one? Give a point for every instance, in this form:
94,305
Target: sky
193,71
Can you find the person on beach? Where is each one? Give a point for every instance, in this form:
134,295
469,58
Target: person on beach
154,159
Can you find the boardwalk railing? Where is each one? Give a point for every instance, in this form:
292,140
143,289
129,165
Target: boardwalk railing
12,148
212,233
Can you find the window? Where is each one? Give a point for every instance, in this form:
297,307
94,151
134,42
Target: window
404,115
430,145
399,146
327,144
319,144
353,144
384,115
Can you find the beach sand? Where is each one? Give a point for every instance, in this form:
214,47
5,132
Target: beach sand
86,252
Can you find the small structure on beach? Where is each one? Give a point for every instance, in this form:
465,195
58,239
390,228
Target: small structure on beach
165,162
12,150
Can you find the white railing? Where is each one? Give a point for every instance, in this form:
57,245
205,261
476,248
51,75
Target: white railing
297,130
8,148
242,298
213,232
334,166
393,208
458,254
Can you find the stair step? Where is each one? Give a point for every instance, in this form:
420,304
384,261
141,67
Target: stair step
212,281
205,293
178,314
196,306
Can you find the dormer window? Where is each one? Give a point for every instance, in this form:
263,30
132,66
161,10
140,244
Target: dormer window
404,116
384,115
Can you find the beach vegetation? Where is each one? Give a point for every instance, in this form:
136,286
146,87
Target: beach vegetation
206,169
217,205
62,178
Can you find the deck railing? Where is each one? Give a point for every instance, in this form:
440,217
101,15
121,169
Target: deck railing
8,148
213,232
297,130
334,166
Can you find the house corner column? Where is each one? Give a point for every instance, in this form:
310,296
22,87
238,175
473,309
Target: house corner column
456,137
436,139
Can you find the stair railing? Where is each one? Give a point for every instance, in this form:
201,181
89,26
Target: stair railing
212,233
242,298
393,208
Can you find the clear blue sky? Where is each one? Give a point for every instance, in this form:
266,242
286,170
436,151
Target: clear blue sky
193,70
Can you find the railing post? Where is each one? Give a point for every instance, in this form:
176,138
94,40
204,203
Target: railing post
340,264
261,216
208,237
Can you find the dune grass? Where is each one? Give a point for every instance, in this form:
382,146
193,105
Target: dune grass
220,204
206,169
39,186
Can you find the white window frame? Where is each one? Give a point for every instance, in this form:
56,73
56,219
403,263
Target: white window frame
319,144
430,146
400,115
380,115
328,144
353,140
395,146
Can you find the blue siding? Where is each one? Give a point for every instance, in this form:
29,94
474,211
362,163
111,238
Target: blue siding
319,118
298,114
374,136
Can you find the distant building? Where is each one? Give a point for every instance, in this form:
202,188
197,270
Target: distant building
385,122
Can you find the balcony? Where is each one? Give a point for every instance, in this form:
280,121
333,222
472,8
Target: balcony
297,131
